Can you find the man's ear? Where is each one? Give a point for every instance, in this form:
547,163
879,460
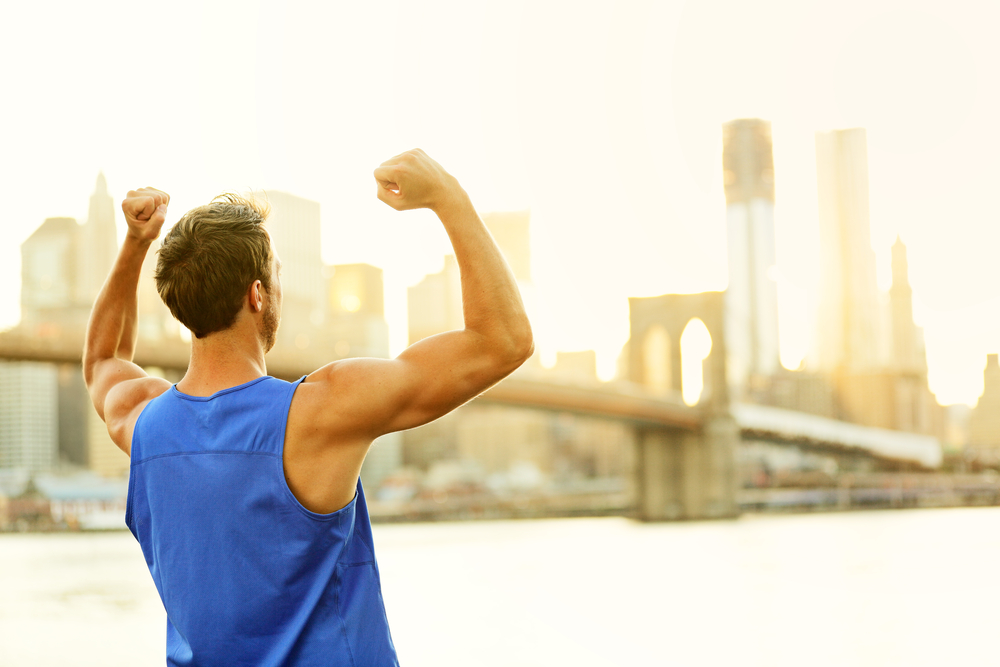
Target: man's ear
256,297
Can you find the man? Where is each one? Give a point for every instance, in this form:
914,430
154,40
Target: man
244,490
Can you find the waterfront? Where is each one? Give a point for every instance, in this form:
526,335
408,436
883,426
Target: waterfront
881,588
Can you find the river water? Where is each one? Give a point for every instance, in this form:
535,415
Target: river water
914,587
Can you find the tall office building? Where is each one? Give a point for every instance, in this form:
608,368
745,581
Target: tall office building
49,277
294,226
64,265
511,231
29,416
434,304
579,366
908,353
74,405
751,297
98,243
849,333
155,321
356,311
984,421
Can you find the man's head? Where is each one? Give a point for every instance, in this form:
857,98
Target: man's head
210,260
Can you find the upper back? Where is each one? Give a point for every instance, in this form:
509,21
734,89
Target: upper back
245,571
248,418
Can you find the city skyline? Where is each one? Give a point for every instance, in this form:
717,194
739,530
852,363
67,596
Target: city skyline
603,121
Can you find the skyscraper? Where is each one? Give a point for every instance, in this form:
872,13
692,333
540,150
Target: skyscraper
751,297
984,422
848,334
98,243
155,321
29,416
49,277
511,231
908,353
434,304
294,226
64,265
356,312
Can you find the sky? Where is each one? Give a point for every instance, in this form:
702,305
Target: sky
602,118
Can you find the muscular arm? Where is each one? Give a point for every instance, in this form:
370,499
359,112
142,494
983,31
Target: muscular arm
436,375
119,388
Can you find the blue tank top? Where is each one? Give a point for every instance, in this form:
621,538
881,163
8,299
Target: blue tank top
248,576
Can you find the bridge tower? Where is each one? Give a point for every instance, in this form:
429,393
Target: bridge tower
684,474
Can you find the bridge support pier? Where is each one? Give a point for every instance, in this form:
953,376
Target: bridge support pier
688,475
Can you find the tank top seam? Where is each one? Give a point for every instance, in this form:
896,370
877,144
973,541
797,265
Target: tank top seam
343,627
177,393
202,453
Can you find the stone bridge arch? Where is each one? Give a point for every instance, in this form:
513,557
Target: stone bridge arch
672,313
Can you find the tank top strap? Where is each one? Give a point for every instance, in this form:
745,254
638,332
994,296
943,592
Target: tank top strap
269,404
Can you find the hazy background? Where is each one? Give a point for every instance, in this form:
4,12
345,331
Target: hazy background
603,118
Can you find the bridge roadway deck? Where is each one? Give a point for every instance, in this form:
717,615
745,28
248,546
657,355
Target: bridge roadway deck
621,401
627,403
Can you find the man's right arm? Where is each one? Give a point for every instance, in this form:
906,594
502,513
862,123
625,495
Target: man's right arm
436,375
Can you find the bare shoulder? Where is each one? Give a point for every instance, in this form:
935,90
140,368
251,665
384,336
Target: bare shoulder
125,402
329,431
338,398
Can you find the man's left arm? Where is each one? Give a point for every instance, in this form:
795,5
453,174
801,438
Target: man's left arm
119,388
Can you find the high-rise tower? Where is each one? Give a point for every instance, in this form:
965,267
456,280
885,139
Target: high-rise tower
984,422
848,334
751,297
355,318
294,226
49,277
510,229
434,305
908,354
98,243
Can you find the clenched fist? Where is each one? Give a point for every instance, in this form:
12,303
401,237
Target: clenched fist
413,180
145,210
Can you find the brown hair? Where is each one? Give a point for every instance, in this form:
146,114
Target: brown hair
210,258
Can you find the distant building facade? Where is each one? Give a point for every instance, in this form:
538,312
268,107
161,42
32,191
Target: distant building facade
294,227
752,296
98,245
434,305
29,416
800,390
355,316
51,301
512,233
155,321
849,335
908,353
74,407
984,421
579,367
63,267
504,443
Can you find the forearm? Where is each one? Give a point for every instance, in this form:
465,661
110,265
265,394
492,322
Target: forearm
111,332
491,301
